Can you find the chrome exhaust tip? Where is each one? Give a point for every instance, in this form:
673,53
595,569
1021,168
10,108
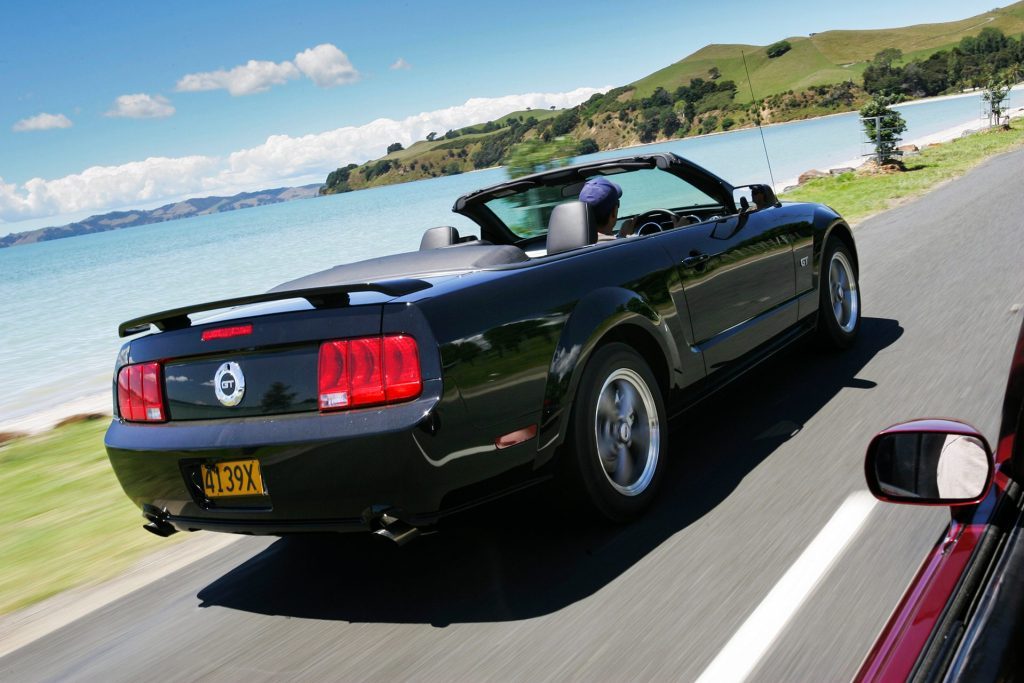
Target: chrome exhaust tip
396,530
159,527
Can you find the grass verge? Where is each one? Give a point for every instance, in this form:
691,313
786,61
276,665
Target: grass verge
857,196
64,520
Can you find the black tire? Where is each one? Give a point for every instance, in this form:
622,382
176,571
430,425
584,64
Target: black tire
618,439
839,297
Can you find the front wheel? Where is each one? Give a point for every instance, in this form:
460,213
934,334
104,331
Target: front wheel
839,303
619,437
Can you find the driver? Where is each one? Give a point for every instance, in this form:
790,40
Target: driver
602,195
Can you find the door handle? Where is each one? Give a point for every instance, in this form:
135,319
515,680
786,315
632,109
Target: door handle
695,260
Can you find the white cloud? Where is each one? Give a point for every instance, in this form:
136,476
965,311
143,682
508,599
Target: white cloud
107,187
281,160
252,77
42,121
326,66
141,106
400,63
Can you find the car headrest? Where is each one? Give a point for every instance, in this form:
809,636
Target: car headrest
571,226
442,236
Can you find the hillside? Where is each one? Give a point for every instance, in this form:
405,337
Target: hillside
708,91
199,206
824,58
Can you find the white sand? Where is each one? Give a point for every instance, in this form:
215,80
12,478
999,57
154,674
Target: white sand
46,419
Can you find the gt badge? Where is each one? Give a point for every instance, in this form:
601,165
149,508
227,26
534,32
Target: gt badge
229,384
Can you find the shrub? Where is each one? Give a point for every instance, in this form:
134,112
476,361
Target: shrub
587,146
709,124
778,49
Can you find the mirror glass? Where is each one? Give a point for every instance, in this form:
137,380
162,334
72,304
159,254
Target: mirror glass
931,466
743,198
753,197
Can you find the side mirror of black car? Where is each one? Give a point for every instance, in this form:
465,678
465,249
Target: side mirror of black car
930,462
753,197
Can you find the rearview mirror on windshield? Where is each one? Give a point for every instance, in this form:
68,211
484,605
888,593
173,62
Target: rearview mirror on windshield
929,462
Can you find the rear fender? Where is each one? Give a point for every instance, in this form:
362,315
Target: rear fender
605,312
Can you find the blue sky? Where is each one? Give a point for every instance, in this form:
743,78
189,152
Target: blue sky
74,60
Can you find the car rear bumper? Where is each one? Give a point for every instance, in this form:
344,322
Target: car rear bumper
322,472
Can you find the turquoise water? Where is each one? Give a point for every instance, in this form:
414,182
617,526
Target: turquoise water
62,300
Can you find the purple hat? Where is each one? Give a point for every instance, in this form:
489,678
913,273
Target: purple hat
601,194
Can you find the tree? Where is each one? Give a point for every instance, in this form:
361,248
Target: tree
881,77
778,49
565,122
689,111
395,147
532,156
669,123
587,146
714,74
649,129
431,135
996,92
883,127
886,57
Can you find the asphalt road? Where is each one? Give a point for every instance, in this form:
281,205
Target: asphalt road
754,476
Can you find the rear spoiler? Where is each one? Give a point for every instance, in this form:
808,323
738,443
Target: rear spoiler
333,296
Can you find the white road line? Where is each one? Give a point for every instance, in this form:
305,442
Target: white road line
749,644
31,623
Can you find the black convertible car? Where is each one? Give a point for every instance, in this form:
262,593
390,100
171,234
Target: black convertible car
383,394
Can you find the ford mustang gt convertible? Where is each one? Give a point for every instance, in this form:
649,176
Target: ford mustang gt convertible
383,394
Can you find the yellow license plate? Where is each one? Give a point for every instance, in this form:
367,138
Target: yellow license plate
233,478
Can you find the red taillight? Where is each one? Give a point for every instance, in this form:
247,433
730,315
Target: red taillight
140,397
226,332
368,370
401,368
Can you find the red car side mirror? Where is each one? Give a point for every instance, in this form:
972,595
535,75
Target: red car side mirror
929,462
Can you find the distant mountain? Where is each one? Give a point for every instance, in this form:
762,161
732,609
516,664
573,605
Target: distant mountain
199,206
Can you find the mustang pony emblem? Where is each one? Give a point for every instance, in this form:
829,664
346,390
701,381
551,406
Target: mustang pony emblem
229,384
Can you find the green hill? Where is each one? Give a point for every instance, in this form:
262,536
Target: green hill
800,68
824,58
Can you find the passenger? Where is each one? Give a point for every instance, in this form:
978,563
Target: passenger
602,195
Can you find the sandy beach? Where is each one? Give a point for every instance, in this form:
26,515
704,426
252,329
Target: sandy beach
94,404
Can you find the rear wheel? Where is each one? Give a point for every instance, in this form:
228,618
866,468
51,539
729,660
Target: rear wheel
618,441
839,303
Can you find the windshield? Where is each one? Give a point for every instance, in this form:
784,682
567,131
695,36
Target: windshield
526,213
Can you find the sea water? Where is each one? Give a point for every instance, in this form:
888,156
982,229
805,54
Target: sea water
61,301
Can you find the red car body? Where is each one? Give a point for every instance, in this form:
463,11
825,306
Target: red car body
937,628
